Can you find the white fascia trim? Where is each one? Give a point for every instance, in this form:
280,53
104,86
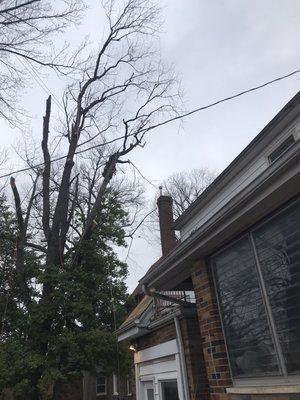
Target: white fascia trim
158,351
132,333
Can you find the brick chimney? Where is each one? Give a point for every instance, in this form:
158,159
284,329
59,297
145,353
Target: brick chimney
167,234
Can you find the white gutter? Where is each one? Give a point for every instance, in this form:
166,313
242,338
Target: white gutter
183,370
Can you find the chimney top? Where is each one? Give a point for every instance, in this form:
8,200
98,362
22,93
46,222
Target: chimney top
167,234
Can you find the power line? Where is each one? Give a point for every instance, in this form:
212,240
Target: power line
61,157
202,108
32,71
234,96
143,176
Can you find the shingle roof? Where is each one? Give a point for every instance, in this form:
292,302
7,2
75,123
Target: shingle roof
137,311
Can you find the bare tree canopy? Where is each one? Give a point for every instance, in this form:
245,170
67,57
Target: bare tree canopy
186,186
123,92
27,27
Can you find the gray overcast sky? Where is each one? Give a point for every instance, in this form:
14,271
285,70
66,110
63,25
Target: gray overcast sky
218,47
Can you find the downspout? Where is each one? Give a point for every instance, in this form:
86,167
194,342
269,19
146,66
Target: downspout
137,381
183,370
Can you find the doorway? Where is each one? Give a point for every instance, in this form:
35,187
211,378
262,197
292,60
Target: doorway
148,389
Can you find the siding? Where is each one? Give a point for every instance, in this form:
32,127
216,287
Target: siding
247,174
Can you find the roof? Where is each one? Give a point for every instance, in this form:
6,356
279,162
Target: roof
183,254
196,205
137,312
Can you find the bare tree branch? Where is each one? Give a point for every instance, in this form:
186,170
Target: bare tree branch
47,170
25,41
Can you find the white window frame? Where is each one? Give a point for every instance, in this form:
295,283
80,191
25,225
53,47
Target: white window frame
105,384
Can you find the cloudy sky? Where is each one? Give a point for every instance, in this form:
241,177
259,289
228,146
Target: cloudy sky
218,48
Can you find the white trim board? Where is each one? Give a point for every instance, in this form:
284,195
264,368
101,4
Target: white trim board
158,351
264,390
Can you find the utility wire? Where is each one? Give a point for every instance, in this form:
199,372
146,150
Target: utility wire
32,71
143,176
225,99
234,96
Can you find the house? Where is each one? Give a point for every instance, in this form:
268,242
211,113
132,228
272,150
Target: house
164,332
89,387
220,316
96,387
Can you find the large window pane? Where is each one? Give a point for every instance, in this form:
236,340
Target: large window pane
249,341
278,248
169,390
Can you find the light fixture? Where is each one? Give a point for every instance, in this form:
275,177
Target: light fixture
133,347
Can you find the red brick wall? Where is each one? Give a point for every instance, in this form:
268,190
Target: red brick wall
196,371
156,337
214,350
167,234
197,379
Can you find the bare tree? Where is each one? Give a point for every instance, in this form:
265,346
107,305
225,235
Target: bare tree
124,92
27,27
184,187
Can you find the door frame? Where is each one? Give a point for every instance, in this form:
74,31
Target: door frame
147,384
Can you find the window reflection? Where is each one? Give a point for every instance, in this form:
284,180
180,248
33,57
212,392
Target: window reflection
246,313
249,342
169,390
278,247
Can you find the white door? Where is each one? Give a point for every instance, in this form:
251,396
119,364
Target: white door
148,390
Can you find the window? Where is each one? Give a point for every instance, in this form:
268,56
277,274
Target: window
249,342
148,388
258,286
278,249
169,390
150,394
282,148
100,384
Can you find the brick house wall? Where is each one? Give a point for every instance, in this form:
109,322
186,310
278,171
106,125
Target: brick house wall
161,335
213,343
195,365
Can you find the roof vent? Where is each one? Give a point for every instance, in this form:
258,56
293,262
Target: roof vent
282,148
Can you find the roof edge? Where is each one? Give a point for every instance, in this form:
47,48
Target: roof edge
193,208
